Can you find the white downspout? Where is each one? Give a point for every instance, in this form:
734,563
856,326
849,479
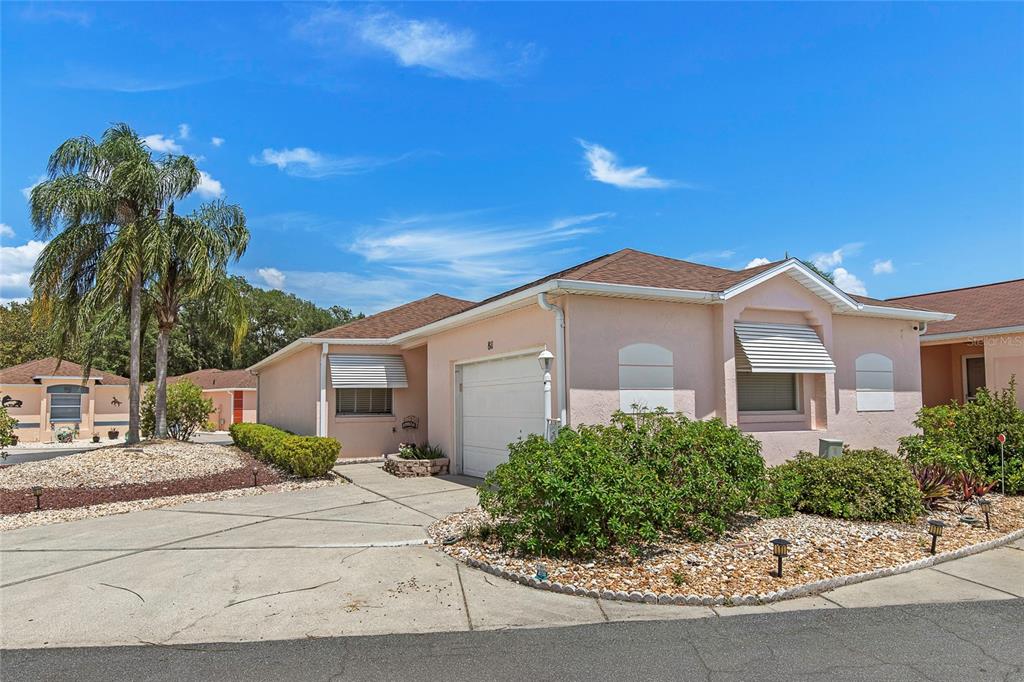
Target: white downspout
321,417
542,301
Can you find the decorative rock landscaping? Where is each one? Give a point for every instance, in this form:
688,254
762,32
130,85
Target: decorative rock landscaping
738,569
398,466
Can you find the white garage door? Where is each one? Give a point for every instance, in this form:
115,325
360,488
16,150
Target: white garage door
501,401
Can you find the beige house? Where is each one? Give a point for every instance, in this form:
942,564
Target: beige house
982,346
775,349
233,392
44,395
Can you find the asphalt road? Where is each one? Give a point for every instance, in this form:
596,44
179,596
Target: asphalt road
960,641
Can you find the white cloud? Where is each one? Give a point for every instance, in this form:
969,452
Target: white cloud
273,277
208,187
704,256
6,230
604,167
367,293
162,145
304,162
430,44
849,282
216,141
16,264
883,267
27,191
184,131
756,262
59,12
573,220
827,261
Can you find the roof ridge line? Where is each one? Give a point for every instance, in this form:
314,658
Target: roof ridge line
949,291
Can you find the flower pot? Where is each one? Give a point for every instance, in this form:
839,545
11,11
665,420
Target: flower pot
14,440
112,434
95,438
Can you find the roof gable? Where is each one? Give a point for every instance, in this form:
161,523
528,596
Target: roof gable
48,367
209,379
395,321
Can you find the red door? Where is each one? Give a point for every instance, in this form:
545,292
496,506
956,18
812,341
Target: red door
237,417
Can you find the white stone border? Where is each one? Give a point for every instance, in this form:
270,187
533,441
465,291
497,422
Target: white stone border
743,599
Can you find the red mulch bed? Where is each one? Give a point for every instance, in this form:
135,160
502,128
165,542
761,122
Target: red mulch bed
22,500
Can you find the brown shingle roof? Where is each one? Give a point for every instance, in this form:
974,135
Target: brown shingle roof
47,367
398,320
217,378
988,306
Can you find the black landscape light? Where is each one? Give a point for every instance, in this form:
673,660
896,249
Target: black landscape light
935,527
255,472
37,490
780,548
986,506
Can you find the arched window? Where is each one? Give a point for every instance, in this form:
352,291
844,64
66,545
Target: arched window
645,377
875,383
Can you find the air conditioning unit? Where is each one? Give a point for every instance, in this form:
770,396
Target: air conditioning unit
830,447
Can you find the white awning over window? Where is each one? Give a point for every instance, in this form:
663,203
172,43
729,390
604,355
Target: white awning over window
790,348
368,371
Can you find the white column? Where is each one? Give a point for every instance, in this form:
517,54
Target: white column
321,416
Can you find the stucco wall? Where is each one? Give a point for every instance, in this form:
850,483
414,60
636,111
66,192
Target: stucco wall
372,436
98,414
1004,358
597,327
222,408
937,386
289,390
519,330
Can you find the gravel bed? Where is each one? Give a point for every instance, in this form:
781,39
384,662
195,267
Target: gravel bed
741,561
49,516
120,464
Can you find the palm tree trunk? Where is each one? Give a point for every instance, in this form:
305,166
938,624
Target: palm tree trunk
163,340
134,378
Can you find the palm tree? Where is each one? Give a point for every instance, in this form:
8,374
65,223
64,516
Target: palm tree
193,258
106,199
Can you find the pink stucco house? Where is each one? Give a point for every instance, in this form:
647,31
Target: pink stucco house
982,347
232,391
775,349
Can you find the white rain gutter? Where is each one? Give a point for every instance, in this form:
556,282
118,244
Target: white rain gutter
542,301
321,417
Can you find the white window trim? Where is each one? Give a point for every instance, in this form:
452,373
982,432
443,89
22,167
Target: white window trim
963,372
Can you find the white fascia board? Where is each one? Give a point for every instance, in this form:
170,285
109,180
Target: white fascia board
65,376
219,390
792,264
902,313
298,344
952,336
572,286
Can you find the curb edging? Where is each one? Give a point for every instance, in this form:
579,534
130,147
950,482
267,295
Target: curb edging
685,599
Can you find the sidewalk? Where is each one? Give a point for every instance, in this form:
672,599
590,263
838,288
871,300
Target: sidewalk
339,561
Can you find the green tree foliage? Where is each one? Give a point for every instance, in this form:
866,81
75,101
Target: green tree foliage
21,339
187,410
7,426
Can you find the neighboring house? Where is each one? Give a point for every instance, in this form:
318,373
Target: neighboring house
982,346
775,349
233,392
43,397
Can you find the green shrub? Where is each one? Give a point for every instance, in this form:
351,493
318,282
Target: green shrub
573,496
306,456
964,436
187,410
623,484
862,485
781,494
425,451
7,426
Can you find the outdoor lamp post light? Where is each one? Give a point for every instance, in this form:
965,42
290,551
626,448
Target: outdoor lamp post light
986,506
545,359
780,548
935,527
37,490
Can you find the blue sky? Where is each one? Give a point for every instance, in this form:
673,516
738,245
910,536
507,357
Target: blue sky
384,152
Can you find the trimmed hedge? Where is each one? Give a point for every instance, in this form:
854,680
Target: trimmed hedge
306,456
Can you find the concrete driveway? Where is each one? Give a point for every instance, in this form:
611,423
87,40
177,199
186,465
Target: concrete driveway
339,561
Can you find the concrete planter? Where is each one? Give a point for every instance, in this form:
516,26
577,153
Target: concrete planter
395,465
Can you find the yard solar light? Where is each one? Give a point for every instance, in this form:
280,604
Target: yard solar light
986,506
780,548
542,572
37,490
255,472
935,527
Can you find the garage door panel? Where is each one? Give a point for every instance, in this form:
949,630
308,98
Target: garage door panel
502,401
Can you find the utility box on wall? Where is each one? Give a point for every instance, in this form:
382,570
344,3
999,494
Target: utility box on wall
830,447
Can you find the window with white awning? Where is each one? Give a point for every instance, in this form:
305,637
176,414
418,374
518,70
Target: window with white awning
368,371
780,348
